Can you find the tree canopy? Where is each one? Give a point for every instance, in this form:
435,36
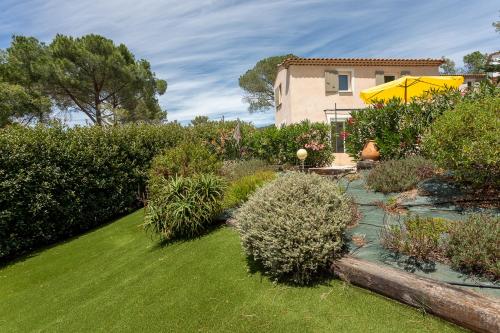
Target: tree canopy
448,67
21,96
258,83
89,74
475,62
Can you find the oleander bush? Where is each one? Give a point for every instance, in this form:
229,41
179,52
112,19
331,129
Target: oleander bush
422,238
240,189
474,246
56,182
186,159
280,145
399,175
294,226
236,169
220,137
465,140
396,127
183,206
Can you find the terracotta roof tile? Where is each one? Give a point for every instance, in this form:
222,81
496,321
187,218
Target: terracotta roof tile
360,62
468,75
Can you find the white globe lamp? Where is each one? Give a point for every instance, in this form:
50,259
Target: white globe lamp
302,155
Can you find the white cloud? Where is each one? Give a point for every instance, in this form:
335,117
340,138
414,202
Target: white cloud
202,46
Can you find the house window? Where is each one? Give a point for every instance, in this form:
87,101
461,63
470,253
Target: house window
389,78
344,82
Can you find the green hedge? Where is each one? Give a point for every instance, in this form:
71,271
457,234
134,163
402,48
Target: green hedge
56,182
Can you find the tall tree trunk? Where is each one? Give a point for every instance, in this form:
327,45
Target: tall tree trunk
98,115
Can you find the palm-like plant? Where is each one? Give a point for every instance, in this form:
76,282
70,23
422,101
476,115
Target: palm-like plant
183,206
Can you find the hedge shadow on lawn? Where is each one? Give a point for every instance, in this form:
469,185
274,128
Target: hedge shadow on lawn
32,253
160,243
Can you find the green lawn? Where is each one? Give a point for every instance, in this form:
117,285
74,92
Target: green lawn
117,278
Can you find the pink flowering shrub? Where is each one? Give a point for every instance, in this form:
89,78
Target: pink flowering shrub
279,146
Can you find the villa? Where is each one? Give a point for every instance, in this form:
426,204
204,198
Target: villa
313,88
327,90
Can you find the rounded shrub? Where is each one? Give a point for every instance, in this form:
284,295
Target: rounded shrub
183,206
186,159
399,175
466,139
293,226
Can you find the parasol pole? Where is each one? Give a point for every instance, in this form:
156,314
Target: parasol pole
406,91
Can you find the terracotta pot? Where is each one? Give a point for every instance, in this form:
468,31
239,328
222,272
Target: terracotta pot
370,151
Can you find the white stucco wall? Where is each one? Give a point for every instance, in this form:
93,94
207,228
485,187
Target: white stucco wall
304,95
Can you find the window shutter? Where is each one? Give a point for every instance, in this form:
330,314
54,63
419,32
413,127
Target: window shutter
403,73
379,77
331,81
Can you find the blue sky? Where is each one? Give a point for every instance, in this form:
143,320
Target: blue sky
201,47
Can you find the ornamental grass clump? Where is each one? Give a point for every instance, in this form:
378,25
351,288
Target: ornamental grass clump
236,169
183,206
240,190
293,227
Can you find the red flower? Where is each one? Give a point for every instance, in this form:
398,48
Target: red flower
379,106
350,121
344,135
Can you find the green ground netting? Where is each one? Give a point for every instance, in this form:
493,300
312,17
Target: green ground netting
373,218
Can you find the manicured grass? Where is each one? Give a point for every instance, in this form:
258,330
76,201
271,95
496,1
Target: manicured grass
116,278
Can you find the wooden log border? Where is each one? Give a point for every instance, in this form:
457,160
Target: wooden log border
466,308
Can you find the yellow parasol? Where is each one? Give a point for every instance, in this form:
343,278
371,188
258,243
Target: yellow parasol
408,87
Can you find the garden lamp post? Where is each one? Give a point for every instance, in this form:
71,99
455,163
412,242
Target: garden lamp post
301,155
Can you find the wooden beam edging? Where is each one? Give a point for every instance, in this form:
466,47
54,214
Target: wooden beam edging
466,308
